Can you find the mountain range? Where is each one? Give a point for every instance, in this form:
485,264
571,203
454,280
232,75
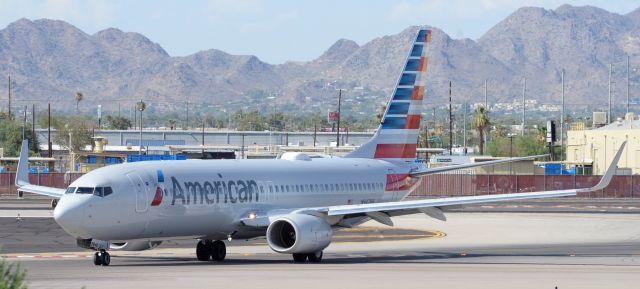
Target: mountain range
49,60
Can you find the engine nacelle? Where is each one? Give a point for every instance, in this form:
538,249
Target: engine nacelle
299,233
138,245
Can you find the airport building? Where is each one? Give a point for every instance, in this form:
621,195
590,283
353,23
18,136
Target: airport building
595,148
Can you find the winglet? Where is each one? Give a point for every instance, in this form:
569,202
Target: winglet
608,175
22,174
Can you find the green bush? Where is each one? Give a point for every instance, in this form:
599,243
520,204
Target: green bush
11,275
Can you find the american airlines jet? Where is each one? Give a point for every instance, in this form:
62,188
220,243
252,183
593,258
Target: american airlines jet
296,201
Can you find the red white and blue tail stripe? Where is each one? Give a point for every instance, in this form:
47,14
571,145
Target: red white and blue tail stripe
397,136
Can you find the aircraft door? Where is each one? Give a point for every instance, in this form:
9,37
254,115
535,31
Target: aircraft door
142,199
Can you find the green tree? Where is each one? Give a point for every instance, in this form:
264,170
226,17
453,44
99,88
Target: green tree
11,275
78,97
117,122
252,120
11,137
481,122
77,129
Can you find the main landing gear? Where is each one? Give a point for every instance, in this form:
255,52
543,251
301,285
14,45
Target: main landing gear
101,258
315,257
207,250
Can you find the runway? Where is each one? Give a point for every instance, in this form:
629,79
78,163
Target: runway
470,250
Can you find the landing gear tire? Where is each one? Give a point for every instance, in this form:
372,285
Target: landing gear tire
101,258
106,258
203,250
299,257
218,251
97,259
54,203
315,257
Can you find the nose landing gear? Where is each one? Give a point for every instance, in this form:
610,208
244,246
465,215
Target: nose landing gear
216,251
101,258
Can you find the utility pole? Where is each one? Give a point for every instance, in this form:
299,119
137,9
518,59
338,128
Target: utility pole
464,128
203,139
10,115
627,84
609,112
338,121
24,122
524,104
33,125
49,149
315,132
450,123
562,121
187,124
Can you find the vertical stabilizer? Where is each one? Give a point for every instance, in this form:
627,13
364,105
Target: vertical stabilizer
397,136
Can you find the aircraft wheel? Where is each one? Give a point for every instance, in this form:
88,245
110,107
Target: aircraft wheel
105,258
97,259
315,257
203,250
218,251
299,258
54,203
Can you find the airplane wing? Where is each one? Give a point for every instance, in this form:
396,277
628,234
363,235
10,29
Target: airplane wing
430,171
22,176
382,211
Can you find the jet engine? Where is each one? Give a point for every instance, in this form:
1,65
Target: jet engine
299,233
138,245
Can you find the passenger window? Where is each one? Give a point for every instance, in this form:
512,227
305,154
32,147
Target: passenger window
84,190
70,190
270,189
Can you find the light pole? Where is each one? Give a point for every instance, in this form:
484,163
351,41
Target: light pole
510,136
140,106
338,121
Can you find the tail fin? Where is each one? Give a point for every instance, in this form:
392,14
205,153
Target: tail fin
397,136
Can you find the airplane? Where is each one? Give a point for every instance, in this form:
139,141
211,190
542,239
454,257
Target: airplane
295,201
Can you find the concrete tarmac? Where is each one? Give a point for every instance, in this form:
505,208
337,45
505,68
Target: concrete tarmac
470,250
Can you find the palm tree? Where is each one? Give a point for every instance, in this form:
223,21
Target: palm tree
481,122
79,97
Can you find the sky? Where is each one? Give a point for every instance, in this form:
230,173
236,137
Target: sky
278,30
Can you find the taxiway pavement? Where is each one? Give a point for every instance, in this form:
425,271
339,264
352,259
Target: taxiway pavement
470,250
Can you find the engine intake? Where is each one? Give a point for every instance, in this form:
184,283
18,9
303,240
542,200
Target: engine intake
299,233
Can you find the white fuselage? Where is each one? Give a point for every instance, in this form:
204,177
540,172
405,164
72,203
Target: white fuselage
208,198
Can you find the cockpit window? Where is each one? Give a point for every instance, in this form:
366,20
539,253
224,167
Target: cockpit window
84,190
70,190
103,191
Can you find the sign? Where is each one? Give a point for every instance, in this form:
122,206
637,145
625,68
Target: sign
332,116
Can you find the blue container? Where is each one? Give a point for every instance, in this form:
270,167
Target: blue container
552,169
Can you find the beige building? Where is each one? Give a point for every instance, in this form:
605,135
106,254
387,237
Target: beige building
595,148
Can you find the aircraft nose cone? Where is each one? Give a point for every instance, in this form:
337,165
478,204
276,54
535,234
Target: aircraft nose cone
69,214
